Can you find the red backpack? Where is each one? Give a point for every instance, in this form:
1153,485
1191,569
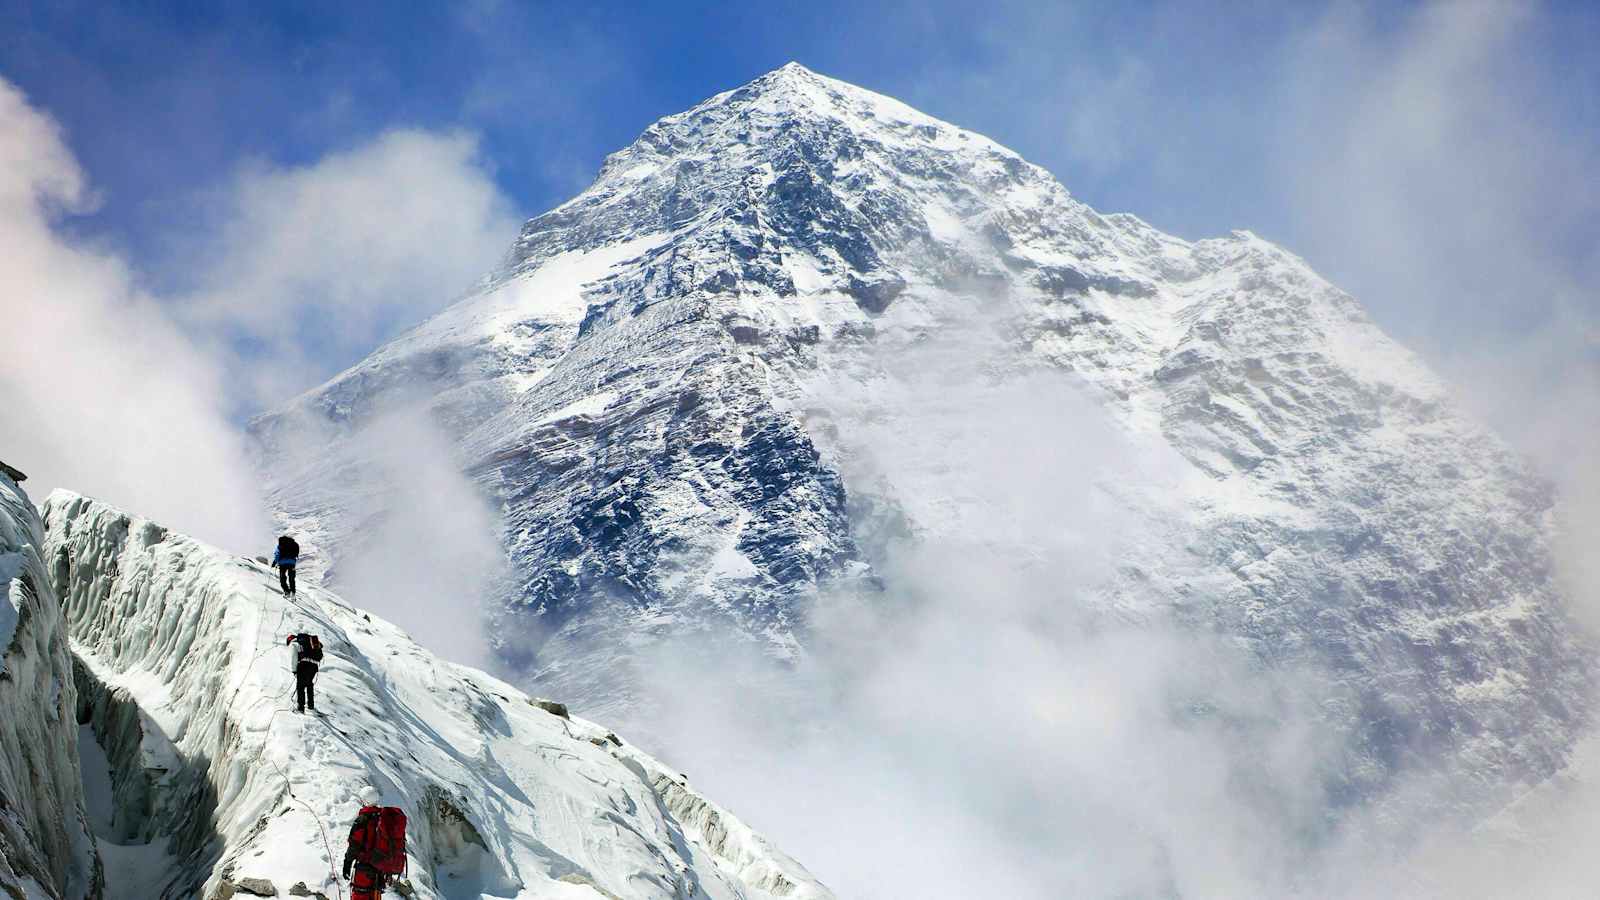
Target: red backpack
379,837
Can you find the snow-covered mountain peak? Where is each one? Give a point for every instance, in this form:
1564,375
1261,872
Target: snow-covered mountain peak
795,92
669,390
792,94
800,156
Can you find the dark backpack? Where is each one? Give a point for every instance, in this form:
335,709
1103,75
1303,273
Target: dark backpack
310,647
378,838
288,548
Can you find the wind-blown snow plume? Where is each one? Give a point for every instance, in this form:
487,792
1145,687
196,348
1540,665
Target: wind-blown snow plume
1447,189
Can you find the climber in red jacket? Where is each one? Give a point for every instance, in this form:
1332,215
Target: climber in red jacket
377,847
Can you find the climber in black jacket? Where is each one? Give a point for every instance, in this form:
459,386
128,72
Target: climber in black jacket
305,656
285,557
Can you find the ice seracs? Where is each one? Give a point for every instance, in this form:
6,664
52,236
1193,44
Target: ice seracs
47,848
183,678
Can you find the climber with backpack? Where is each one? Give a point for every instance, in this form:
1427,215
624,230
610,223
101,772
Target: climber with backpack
305,657
377,847
285,557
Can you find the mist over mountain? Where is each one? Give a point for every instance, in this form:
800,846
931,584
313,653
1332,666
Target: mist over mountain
822,404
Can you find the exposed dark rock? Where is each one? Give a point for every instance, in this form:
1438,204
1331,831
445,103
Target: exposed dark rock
743,331
551,707
875,295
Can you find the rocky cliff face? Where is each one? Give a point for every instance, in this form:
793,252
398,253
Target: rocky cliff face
47,849
649,388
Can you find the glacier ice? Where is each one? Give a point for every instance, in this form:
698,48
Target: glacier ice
183,676
47,848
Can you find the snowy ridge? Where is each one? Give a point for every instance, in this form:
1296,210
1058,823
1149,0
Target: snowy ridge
792,243
47,850
184,667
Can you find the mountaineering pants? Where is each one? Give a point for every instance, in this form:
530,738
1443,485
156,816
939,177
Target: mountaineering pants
305,692
286,578
366,884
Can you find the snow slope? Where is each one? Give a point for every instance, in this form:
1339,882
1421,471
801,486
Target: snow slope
690,454
47,848
183,676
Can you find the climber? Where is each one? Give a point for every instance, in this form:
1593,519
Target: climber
305,655
287,554
377,847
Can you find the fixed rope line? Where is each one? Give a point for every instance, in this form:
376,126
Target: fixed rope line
288,789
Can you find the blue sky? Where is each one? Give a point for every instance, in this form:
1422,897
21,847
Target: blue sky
157,101
160,100
249,166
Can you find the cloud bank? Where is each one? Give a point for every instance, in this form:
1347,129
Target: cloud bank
426,552
996,721
1008,717
303,266
134,396
103,392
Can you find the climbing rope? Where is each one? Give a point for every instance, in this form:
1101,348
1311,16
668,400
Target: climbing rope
327,847
288,789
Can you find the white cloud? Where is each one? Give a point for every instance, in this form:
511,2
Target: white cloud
315,264
992,724
310,269
102,392
134,398
1430,167
1436,166
429,552
1434,159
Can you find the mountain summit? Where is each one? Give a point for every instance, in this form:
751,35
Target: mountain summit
665,386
